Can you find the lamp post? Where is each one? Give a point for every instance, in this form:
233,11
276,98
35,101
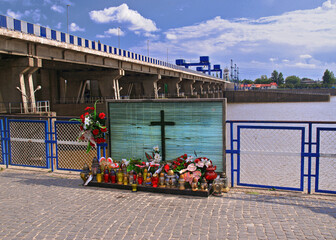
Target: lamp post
30,98
68,18
118,37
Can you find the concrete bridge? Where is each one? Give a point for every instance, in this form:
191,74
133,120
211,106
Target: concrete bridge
38,63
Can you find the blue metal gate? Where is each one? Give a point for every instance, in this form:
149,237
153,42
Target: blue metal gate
326,160
28,143
282,155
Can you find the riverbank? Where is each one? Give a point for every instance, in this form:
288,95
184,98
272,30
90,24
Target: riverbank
274,96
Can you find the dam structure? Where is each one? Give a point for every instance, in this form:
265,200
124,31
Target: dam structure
40,64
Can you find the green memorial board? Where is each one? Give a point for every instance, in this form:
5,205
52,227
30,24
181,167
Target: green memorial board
176,126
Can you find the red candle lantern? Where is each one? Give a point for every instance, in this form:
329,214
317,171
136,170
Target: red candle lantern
112,176
140,179
210,173
106,175
155,180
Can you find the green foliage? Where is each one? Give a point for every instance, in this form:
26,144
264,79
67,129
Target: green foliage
293,80
328,78
280,79
263,80
246,81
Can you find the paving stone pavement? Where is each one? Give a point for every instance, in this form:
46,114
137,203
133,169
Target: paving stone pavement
42,205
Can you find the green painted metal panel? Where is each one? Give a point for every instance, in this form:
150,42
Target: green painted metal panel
198,128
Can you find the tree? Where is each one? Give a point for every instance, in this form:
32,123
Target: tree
280,79
262,80
275,76
293,80
328,78
246,81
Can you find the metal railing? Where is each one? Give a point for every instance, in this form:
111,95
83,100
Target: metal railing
44,142
286,155
45,32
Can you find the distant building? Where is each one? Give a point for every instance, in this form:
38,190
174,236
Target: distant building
307,81
272,85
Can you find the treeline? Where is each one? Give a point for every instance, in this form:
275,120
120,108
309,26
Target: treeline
328,81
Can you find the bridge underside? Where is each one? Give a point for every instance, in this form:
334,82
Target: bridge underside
67,77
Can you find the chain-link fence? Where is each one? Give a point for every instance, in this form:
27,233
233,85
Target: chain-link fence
282,155
28,143
44,142
71,154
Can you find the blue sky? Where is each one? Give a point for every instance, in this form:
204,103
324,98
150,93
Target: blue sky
295,37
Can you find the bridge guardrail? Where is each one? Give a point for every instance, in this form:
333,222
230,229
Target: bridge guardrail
45,32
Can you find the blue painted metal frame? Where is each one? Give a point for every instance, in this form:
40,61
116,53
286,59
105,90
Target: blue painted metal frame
318,138
2,142
45,141
99,146
55,127
302,129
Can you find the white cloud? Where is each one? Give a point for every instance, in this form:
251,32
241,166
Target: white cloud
75,28
111,32
59,25
12,14
305,56
57,8
34,14
311,29
122,14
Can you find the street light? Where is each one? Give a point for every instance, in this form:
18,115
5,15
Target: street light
118,37
68,17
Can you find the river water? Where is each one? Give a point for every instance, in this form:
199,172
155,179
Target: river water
297,111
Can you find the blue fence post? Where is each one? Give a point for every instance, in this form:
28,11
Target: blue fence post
232,157
309,156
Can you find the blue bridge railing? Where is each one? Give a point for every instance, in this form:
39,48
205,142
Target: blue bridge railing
45,32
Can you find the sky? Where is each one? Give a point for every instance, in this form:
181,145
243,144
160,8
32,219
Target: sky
295,37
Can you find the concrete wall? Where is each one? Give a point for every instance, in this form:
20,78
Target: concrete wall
261,96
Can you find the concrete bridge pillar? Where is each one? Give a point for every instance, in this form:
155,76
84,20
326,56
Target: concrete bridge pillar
150,86
199,88
78,82
206,90
173,87
17,76
187,87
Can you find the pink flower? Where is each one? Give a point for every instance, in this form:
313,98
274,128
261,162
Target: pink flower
191,167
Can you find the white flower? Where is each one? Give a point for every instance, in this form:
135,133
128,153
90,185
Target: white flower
156,149
190,159
157,157
86,123
208,164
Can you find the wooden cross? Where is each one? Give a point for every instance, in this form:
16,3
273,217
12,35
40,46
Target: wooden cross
162,123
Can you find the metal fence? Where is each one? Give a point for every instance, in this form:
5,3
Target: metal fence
298,156
44,142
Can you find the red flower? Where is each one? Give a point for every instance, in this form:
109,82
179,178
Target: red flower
166,167
85,114
185,156
89,108
81,128
102,140
103,129
185,164
92,145
197,160
101,115
95,132
174,167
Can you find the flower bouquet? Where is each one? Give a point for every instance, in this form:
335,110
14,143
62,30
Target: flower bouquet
92,126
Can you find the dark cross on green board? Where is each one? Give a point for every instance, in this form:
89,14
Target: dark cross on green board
162,123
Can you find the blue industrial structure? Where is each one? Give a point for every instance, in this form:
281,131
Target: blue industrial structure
216,68
204,61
